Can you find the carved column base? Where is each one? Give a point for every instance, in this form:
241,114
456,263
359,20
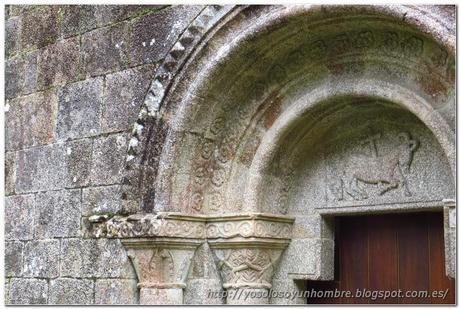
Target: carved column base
162,266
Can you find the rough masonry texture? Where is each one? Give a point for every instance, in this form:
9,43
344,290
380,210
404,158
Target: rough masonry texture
156,153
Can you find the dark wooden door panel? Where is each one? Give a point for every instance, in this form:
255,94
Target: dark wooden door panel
438,280
413,257
389,253
383,256
356,274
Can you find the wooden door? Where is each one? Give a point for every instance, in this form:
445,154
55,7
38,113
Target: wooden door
389,253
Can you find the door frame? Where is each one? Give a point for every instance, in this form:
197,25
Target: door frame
448,206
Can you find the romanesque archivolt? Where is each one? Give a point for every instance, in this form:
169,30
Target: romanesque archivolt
375,173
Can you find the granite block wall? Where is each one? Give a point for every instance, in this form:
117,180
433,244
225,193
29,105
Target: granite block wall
74,79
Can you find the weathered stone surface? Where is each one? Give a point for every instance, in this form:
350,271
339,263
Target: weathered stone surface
105,199
288,286
313,226
30,72
80,256
41,168
123,94
79,109
104,50
108,159
13,77
94,258
15,10
38,27
12,26
77,19
71,291
203,265
226,97
30,120
13,258
54,167
19,9
301,257
28,291
10,172
21,75
116,292
59,63
108,14
79,154
154,34
41,259
57,214
200,291
167,296
19,213
7,292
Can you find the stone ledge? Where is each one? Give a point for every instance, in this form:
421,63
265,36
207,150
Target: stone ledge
238,227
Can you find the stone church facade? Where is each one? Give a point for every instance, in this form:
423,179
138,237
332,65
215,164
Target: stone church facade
184,154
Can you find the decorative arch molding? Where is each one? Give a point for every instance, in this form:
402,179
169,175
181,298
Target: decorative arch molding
178,86
242,95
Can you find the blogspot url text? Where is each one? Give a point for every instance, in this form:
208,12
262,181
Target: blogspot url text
246,294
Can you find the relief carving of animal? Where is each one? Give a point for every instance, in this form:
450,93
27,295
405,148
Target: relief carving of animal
386,172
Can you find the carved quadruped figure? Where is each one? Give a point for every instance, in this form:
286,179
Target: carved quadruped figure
386,172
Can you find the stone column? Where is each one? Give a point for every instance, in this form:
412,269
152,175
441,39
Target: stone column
247,248
162,266
450,237
161,247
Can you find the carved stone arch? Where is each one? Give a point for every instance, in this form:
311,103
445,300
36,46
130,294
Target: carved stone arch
238,79
327,109
248,100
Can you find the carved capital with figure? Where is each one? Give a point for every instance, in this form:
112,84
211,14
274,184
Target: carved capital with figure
162,246
247,247
162,265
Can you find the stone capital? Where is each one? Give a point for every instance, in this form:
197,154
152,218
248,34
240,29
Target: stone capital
161,264
247,247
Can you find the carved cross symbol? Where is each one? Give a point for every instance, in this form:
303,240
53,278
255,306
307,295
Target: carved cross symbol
372,141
